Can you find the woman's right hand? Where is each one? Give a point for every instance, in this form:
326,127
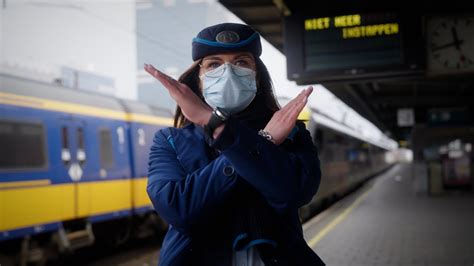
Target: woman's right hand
192,107
283,121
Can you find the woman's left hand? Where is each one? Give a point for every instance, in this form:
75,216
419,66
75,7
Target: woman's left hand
194,109
283,121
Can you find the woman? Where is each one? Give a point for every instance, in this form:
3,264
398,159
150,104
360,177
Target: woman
230,176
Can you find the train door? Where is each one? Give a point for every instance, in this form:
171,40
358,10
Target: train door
108,195
77,169
74,155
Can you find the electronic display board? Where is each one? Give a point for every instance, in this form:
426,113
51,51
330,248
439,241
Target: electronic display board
352,46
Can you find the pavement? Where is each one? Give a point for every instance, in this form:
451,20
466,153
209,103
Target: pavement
386,222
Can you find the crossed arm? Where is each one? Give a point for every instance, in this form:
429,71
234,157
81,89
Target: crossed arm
287,179
198,112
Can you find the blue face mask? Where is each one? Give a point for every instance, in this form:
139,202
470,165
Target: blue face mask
229,87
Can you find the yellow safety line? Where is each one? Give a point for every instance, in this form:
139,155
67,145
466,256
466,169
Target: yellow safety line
312,243
18,184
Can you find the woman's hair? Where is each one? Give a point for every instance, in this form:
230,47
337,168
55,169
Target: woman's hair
263,105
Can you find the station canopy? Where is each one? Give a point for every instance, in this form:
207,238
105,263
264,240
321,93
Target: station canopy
395,65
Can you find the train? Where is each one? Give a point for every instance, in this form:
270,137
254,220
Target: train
73,168
347,159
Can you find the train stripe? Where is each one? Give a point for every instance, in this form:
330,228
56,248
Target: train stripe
140,196
36,205
148,119
101,197
19,184
52,105
40,103
45,204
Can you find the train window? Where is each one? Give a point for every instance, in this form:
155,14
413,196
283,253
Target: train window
106,154
80,138
65,152
65,137
141,137
23,145
81,152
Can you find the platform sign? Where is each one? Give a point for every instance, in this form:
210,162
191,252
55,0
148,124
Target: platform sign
348,46
405,117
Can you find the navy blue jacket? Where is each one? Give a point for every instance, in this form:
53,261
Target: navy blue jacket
197,188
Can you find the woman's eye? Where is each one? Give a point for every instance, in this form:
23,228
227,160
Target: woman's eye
213,65
242,63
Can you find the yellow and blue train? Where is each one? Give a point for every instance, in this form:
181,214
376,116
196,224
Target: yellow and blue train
73,166
67,155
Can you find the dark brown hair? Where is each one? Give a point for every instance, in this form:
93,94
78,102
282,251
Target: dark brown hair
263,105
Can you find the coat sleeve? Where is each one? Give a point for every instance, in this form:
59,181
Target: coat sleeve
181,198
287,178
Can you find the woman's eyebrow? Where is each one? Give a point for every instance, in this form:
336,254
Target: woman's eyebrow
243,56
240,56
212,58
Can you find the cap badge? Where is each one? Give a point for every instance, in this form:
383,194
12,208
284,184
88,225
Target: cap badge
227,37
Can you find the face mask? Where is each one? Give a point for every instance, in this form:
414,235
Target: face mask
229,87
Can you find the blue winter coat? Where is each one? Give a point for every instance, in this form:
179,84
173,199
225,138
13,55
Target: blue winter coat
197,189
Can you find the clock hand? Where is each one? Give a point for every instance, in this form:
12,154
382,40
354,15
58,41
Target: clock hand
457,42
447,45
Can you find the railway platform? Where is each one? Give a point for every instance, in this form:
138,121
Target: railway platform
387,223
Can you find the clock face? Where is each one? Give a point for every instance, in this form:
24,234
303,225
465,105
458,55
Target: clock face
451,43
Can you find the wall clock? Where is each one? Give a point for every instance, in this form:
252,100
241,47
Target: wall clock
450,44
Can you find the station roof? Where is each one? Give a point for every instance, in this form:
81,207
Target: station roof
376,100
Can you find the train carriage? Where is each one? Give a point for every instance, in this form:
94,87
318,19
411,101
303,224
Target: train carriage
346,161
71,159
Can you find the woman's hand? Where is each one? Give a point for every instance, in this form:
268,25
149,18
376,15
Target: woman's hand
283,121
194,109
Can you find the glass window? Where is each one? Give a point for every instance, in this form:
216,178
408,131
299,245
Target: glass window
64,136
80,138
65,153
22,145
81,152
106,154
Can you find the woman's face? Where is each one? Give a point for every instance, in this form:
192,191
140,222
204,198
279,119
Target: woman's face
241,59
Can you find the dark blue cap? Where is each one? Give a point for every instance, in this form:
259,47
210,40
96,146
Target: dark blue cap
226,37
